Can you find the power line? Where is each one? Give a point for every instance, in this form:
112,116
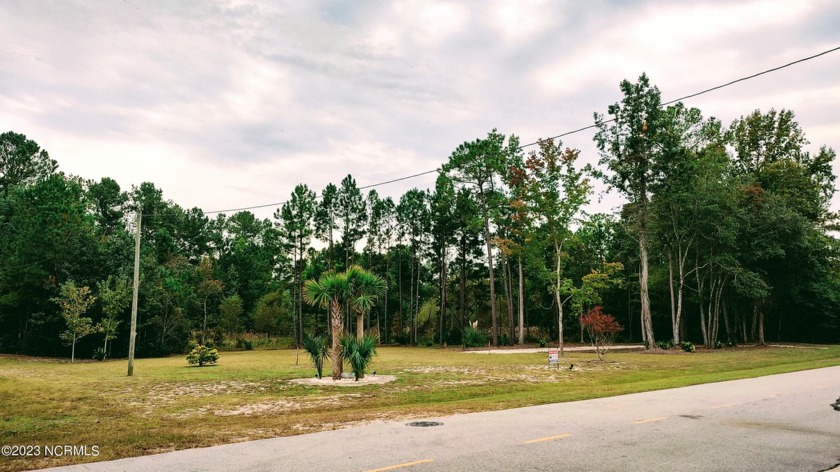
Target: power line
567,133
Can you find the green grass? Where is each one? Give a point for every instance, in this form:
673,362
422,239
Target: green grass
168,405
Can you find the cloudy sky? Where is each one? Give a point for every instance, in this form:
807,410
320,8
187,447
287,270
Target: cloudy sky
231,104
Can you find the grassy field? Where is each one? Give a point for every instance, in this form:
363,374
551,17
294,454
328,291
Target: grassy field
168,405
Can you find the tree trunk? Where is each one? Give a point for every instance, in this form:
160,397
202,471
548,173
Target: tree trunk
647,325
761,327
73,350
384,332
521,304
360,327
558,300
509,288
335,324
203,327
490,266
675,330
442,296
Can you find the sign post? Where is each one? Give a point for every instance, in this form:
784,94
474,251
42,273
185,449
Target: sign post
554,358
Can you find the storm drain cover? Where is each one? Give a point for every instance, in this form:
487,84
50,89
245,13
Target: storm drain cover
424,424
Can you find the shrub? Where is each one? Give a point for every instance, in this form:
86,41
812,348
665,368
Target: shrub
453,337
717,345
429,343
687,346
503,339
203,355
665,344
541,342
99,354
244,344
318,350
474,338
357,353
601,329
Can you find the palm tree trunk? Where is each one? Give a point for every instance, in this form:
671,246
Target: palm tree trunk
335,320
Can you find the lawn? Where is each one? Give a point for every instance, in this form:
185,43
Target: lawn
168,405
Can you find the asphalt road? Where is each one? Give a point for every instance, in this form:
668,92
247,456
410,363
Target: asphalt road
775,423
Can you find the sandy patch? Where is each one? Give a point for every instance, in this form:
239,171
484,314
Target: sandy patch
329,382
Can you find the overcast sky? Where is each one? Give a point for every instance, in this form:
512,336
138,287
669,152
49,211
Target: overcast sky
231,104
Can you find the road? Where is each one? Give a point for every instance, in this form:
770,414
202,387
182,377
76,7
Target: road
774,423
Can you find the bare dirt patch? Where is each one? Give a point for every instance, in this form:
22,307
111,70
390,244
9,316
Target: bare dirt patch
329,382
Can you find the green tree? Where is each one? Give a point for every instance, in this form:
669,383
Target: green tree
230,312
114,295
329,291
74,302
296,228
326,218
22,161
352,215
555,191
208,286
479,164
628,147
365,289
273,314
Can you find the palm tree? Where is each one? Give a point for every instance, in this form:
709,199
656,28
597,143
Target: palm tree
328,292
365,289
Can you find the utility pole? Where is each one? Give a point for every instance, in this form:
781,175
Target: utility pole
134,296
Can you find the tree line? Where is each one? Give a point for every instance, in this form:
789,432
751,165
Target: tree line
725,237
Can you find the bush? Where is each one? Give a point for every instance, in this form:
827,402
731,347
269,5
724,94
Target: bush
99,354
358,354
244,344
542,342
687,346
503,339
665,344
402,339
602,330
203,355
474,338
318,350
718,345
453,337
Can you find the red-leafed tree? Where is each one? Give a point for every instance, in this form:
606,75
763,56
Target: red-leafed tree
601,329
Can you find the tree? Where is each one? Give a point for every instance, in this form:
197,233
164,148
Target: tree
478,164
555,191
413,218
114,302
296,229
628,147
442,212
352,216
601,329
329,291
272,314
207,287
231,314
74,302
325,218
365,289
22,161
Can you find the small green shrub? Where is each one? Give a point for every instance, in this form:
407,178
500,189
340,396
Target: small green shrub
687,346
244,344
542,342
358,354
665,344
318,350
503,339
402,339
474,338
202,355
718,345
100,354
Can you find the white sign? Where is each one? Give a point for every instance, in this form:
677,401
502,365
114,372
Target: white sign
553,356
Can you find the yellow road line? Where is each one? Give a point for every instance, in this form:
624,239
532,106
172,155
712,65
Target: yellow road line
651,420
725,405
400,466
548,438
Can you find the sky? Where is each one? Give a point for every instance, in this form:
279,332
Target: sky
229,104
